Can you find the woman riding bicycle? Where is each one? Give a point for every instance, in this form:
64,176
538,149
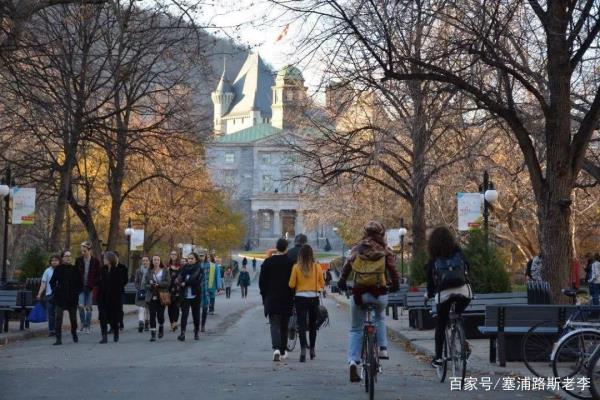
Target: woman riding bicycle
369,260
447,283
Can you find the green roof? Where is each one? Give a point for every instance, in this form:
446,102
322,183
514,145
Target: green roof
249,135
289,72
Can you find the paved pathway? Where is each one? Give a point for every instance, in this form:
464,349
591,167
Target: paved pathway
231,361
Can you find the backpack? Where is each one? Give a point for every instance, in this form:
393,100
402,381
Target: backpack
450,272
369,273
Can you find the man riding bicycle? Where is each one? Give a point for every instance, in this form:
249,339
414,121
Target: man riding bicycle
369,261
447,283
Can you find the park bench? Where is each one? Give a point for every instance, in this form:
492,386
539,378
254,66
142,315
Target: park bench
396,300
419,313
506,325
14,301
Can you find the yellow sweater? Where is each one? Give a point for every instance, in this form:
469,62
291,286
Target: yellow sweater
314,282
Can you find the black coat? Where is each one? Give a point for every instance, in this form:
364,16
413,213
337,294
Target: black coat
195,274
273,282
66,285
122,268
292,254
110,288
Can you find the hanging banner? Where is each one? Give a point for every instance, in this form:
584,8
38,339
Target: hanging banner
22,204
393,237
469,211
137,240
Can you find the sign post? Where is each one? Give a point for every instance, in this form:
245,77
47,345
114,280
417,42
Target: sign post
469,211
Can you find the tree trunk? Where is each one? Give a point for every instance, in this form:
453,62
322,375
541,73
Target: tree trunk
61,206
85,216
419,227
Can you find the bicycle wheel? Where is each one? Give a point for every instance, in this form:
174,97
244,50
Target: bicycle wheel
372,357
594,374
458,353
572,360
443,369
537,349
365,362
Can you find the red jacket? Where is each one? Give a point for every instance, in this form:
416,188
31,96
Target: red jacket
93,274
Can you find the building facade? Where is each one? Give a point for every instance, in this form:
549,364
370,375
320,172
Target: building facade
246,158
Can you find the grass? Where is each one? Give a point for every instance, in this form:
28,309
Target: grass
519,288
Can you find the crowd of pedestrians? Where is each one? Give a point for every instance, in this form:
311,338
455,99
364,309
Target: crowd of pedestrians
176,287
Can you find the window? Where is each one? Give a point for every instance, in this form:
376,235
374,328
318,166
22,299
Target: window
266,221
229,158
265,158
229,177
267,183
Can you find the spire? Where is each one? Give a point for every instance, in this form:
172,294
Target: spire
223,86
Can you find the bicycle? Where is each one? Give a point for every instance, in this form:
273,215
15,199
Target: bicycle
370,352
573,345
455,347
292,331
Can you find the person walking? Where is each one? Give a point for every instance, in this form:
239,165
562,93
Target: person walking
174,267
66,286
45,293
189,282
157,281
89,268
244,281
307,282
124,271
278,297
228,281
595,280
140,295
214,284
447,283
244,262
109,296
371,254
254,264
299,241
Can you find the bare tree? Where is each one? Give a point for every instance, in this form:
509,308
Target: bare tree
532,65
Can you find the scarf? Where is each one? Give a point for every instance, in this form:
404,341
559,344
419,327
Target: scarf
211,275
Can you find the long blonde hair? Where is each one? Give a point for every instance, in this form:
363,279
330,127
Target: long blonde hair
306,259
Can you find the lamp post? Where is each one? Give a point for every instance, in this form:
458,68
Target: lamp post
128,233
490,195
180,247
402,232
5,184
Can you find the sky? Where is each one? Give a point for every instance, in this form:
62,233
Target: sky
258,24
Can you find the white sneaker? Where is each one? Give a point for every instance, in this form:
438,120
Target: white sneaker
354,376
87,331
284,356
383,355
276,355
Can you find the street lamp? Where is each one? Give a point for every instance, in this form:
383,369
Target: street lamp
5,184
490,196
129,233
402,232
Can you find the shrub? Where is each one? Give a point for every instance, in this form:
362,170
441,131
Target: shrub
34,263
417,269
487,272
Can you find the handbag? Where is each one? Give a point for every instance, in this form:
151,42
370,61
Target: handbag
165,298
322,314
37,314
140,295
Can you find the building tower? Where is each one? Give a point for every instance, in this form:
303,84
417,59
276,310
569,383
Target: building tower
222,98
289,97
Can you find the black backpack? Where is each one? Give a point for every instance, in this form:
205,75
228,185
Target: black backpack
450,272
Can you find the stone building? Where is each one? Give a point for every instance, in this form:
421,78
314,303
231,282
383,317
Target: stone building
246,157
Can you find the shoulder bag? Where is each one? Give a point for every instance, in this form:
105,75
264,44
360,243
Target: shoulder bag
323,314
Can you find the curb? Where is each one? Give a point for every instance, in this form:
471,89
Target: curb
17,337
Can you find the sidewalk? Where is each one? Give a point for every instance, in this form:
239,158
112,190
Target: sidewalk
41,329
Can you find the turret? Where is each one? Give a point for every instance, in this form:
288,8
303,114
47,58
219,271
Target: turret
289,97
222,98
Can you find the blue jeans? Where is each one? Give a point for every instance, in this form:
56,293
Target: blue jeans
50,314
85,307
595,292
358,319
212,294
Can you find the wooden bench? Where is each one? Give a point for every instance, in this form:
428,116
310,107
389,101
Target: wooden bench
506,325
15,301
